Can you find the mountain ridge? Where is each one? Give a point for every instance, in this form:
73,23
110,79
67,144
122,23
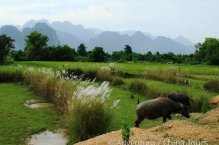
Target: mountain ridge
65,32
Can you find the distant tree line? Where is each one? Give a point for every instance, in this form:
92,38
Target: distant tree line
37,49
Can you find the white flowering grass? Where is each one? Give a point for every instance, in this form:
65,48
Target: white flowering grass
91,110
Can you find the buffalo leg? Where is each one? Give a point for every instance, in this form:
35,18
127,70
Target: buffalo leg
164,119
138,121
169,117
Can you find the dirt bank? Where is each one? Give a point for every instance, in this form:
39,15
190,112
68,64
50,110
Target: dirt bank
200,129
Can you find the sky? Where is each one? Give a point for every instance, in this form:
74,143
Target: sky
194,19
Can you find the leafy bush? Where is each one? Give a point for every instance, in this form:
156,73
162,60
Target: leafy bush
212,85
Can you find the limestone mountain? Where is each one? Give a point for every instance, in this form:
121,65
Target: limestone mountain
60,33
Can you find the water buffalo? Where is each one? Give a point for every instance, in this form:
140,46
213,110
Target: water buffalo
180,98
159,107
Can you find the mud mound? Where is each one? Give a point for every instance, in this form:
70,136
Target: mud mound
214,101
202,130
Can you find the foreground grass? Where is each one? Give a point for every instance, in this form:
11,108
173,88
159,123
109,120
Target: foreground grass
18,122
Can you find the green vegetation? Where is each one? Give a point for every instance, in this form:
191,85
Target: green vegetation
60,86
69,94
90,115
80,90
17,122
6,46
212,85
208,51
38,49
126,132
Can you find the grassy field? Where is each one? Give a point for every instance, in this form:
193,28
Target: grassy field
196,75
129,67
18,122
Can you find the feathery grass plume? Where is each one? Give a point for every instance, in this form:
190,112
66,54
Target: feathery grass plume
91,110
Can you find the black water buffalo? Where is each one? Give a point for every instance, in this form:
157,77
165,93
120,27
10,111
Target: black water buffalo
159,107
180,98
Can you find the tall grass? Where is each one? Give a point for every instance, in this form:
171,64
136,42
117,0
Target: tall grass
105,73
85,101
169,75
91,112
11,73
139,87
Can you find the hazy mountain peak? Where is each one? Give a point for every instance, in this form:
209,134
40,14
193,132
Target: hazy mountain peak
184,41
138,34
76,30
29,24
32,23
96,30
8,27
61,24
48,31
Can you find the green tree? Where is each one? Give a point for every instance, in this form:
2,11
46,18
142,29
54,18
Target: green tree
128,53
18,55
82,50
6,46
35,44
64,53
149,56
97,55
208,51
117,55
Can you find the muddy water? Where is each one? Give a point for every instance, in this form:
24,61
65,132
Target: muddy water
48,138
34,103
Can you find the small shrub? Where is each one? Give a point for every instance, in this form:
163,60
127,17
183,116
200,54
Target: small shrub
200,105
205,107
132,96
139,87
212,85
155,92
117,81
